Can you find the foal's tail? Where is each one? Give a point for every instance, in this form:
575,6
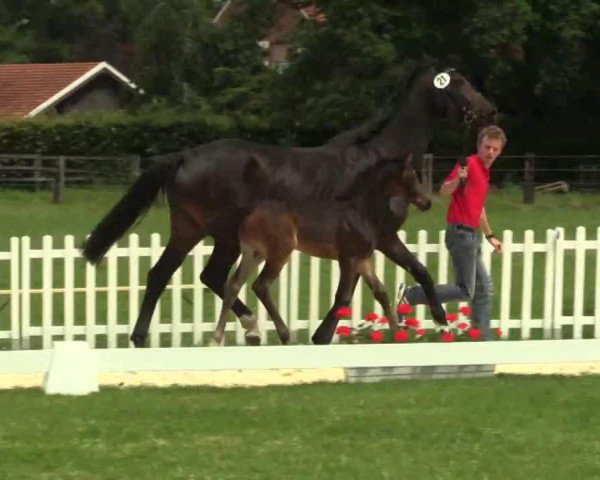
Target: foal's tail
256,178
132,206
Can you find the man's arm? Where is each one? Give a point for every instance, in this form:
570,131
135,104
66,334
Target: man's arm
448,187
487,231
453,180
485,225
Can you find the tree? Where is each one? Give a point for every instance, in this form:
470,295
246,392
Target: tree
181,56
338,70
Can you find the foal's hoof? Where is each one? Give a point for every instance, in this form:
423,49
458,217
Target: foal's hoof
139,341
252,339
250,324
216,343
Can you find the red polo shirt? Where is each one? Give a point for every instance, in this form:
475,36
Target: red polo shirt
467,202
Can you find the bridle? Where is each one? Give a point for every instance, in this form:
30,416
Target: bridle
468,115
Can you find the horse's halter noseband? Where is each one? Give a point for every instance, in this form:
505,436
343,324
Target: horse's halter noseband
468,115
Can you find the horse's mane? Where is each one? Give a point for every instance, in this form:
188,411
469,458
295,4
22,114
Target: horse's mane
408,72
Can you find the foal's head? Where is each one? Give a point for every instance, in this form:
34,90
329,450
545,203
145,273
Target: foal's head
404,183
392,178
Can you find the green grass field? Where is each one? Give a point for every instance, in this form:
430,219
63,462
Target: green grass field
497,428
25,213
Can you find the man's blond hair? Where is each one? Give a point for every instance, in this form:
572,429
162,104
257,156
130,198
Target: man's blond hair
492,132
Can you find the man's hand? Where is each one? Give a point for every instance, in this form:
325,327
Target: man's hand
462,175
497,244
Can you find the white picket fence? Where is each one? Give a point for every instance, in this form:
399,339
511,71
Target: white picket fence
50,293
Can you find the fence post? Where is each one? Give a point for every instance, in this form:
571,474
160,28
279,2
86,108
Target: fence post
58,195
529,179
15,294
135,166
427,173
37,165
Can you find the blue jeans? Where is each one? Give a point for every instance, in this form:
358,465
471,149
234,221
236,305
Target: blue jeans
472,281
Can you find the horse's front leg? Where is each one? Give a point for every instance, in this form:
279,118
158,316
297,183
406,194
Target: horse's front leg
343,296
397,252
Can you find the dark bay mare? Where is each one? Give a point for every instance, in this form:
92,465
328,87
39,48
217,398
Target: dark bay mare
208,196
348,230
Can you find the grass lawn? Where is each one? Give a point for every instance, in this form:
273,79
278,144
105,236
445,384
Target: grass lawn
33,214
497,428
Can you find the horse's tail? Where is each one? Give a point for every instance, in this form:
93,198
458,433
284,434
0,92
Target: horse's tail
132,206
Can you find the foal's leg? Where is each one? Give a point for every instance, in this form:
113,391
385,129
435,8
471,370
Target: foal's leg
214,275
250,260
261,285
343,296
396,251
379,292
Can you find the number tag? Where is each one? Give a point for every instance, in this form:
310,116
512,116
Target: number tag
441,80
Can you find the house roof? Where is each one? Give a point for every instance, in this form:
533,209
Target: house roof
30,88
231,8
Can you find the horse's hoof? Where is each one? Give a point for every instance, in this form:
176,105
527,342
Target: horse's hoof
439,316
285,338
319,340
139,341
252,339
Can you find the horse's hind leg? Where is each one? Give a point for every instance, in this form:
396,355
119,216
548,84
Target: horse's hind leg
265,279
158,276
379,292
185,233
214,275
250,259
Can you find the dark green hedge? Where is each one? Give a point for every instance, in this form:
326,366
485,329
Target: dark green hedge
147,134
124,134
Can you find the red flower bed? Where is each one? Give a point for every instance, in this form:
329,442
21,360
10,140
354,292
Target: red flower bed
376,329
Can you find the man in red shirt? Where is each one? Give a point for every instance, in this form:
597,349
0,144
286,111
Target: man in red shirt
468,187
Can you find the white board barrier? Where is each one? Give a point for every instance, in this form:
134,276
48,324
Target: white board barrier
73,369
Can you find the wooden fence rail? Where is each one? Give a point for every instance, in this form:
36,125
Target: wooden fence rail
57,171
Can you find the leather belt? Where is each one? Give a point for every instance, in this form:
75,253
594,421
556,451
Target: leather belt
466,228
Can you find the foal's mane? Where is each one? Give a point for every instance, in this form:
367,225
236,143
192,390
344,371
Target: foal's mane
408,72
371,180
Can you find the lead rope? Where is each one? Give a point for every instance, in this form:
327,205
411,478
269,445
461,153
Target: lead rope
462,160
